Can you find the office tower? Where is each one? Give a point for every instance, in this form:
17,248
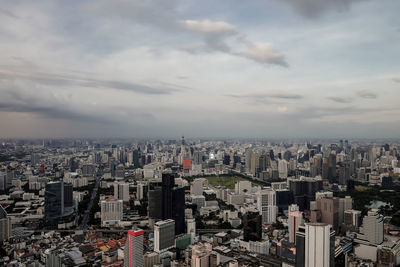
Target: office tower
254,163
197,158
164,235
121,191
173,203
183,148
191,226
201,255
329,211
178,209
248,156
111,211
352,218
319,245
5,225
295,220
155,200
133,252
168,183
345,203
197,187
3,181
58,201
151,259
284,197
88,169
120,171
35,159
283,169
300,246
262,163
304,190
372,228
252,226
266,202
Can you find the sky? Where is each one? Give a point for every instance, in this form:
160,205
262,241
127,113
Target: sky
226,68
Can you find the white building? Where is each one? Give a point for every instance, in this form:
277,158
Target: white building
243,187
111,211
164,235
318,245
266,204
283,169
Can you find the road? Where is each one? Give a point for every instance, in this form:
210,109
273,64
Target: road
85,219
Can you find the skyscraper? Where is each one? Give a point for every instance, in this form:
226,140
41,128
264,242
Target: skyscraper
58,201
5,225
252,226
319,245
173,203
266,204
295,220
133,252
164,235
168,183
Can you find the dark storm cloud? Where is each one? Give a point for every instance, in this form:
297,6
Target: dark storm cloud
315,8
53,79
51,112
367,94
340,99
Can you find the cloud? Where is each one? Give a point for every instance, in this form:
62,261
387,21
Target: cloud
264,53
315,8
340,99
276,95
208,26
397,80
216,33
367,94
60,79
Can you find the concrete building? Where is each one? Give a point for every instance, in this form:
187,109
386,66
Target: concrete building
319,245
5,225
164,235
133,252
121,191
295,220
111,211
266,204
372,228
201,255
197,187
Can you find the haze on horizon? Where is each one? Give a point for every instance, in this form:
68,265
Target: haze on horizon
146,68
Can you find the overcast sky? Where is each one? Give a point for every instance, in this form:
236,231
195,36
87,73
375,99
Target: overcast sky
226,68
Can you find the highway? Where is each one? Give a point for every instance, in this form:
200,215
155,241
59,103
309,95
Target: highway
85,219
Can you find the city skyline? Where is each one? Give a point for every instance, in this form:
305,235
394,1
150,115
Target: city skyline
150,69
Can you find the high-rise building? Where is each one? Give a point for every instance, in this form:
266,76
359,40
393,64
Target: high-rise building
173,203
252,222
155,200
58,201
178,209
266,204
352,218
121,191
283,169
133,252
304,190
111,211
319,245
5,225
372,228
197,187
164,235
168,183
35,159
295,220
